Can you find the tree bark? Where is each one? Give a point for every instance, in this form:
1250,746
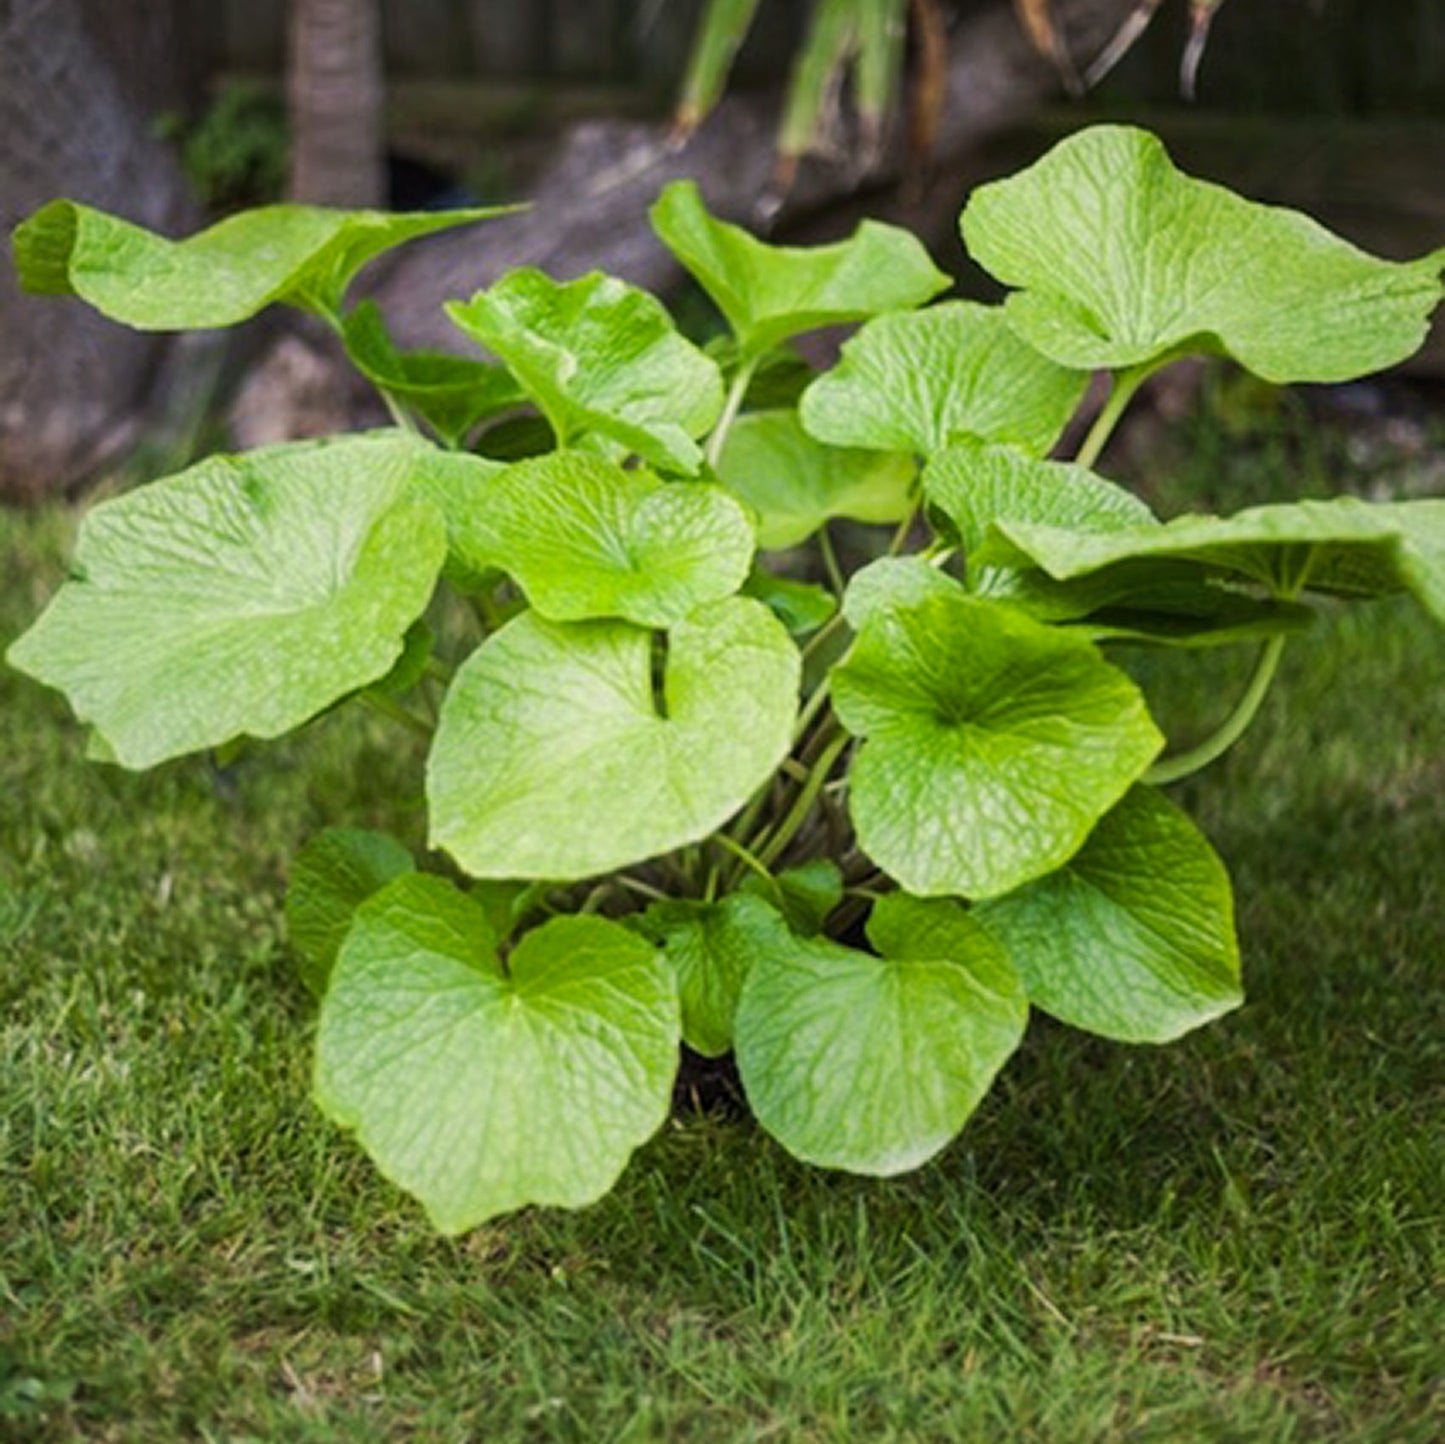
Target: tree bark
71,383
334,92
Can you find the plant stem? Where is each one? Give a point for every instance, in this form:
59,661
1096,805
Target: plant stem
390,708
731,407
1172,769
836,579
1121,392
746,858
811,708
803,804
900,537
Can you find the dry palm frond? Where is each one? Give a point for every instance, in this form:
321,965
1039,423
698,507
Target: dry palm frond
1037,18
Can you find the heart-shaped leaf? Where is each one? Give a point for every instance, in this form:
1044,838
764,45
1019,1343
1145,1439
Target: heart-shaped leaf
552,758
241,596
770,293
451,393
873,1064
994,744
1345,547
711,947
598,355
585,538
795,483
305,256
1123,261
919,381
480,1088
1134,937
330,878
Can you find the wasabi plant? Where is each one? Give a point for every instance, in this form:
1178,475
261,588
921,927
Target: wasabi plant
687,779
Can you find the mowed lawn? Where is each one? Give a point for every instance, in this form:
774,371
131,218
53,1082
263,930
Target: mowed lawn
1238,1238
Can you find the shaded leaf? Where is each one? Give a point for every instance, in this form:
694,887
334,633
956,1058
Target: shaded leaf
450,393
330,878
711,947
801,607
1344,546
795,484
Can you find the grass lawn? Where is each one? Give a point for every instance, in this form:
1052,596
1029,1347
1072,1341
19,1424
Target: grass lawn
1236,1238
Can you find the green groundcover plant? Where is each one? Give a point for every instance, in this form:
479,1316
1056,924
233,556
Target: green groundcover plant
688,779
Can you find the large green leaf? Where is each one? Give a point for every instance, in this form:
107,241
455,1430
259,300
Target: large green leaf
711,947
1123,261
480,1088
770,293
598,355
993,743
451,393
795,483
330,878
919,381
1345,546
1134,937
552,758
303,255
975,484
586,538
873,1064
241,596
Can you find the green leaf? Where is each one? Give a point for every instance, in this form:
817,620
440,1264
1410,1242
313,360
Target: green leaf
919,381
873,1064
241,596
552,760
893,582
805,894
330,878
770,293
305,256
479,1088
1123,261
598,355
1134,937
994,744
801,607
975,484
508,902
450,393
711,947
795,484
1345,547
585,538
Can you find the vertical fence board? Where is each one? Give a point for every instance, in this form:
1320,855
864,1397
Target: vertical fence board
507,40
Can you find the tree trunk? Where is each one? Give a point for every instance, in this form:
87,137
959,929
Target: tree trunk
71,383
334,91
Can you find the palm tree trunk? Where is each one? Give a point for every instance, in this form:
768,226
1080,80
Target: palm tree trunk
334,89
